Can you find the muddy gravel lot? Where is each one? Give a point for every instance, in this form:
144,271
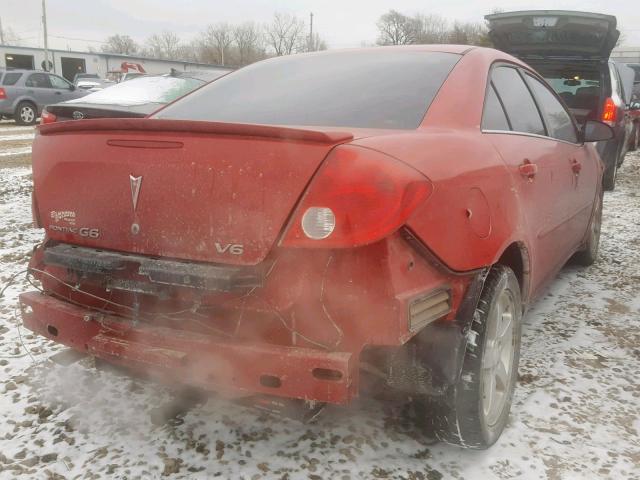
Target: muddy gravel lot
576,413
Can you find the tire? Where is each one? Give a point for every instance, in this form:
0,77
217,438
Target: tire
609,177
476,408
635,141
26,113
589,254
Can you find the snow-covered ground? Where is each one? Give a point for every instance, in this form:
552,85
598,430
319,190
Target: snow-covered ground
576,413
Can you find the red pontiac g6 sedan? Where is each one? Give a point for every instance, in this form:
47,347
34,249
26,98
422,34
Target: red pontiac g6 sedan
312,219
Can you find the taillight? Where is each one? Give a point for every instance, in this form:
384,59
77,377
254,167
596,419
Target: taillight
358,197
610,111
3,94
47,117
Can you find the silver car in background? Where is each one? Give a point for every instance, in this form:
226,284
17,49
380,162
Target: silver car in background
24,93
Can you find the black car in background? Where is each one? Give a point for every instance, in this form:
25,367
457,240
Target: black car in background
571,51
134,98
634,107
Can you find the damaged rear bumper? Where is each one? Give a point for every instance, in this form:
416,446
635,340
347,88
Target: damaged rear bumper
203,361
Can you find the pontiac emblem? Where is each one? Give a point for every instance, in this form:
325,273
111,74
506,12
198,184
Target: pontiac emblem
136,183
77,115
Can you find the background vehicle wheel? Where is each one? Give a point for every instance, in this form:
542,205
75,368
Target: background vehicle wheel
609,177
26,113
476,409
589,254
635,140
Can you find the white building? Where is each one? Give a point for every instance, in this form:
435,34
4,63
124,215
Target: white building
626,54
68,63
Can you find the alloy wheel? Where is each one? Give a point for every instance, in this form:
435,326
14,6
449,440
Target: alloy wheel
27,114
498,356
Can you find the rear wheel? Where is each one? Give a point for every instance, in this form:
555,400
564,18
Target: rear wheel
26,113
476,409
589,254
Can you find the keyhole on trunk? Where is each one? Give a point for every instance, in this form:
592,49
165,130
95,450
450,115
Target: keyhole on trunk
135,228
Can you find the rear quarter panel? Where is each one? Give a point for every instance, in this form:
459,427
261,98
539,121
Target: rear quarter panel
473,213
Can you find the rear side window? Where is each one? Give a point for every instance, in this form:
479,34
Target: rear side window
493,116
517,101
369,89
58,82
38,80
11,78
557,118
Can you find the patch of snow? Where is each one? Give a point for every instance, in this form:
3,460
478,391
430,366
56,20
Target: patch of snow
12,152
140,91
575,415
15,128
24,136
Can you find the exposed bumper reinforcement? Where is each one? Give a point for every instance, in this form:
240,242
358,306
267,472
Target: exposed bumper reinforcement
195,359
159,271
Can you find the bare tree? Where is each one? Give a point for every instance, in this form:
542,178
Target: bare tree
285,34
432,29
458,35
163,45
205,50
316,44
249,43
469,33
219,37
397,29
9,37
123,44
188,51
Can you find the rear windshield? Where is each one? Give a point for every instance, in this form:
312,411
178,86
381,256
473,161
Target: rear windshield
141,91
10,78
369,89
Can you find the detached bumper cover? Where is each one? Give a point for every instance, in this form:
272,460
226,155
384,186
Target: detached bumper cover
200,360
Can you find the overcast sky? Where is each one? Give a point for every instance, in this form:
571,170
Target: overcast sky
342,23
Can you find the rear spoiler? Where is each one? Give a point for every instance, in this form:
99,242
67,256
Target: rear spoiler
190,126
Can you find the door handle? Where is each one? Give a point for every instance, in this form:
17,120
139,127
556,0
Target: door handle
58,93
576,166
528,169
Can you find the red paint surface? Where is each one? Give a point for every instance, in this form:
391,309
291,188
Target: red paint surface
459,190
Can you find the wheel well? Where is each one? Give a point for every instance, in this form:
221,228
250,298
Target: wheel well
516,257
33,104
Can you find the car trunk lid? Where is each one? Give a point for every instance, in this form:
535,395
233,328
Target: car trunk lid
201,191
554,33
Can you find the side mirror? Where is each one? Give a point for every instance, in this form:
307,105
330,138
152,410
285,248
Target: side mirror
594,131
72,87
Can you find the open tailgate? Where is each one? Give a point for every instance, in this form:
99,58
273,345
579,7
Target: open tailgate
554,33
